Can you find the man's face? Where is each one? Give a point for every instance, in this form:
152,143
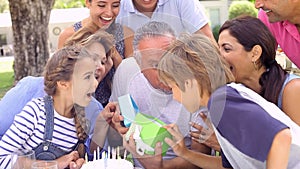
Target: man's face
145,5
151,50
277,10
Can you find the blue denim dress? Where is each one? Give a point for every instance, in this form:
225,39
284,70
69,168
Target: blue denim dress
46,150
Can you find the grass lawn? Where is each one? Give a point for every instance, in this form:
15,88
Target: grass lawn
6,76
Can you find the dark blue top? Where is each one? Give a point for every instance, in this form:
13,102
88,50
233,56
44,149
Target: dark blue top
244,123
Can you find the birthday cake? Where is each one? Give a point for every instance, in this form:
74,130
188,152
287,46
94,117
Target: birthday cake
108,164
110,159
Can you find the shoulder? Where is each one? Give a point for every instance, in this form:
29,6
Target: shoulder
127,31
234,101
290,99
128,39
127,67
36,104
292,88
64,35
32,111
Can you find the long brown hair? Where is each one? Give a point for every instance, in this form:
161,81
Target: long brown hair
60,67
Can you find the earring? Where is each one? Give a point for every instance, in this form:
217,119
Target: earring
255,66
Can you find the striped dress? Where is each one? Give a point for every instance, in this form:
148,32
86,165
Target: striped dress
27,131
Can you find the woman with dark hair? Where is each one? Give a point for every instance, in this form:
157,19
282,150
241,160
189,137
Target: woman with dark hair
252,132
250,49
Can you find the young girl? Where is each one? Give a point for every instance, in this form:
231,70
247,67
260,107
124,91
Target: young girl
103,14
54,126
252,132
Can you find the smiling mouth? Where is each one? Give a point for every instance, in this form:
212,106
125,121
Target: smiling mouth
106,18
267,10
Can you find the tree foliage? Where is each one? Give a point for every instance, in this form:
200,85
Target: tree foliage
238,8
61,4
3,6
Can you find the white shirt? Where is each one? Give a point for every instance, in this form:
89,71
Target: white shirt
181,15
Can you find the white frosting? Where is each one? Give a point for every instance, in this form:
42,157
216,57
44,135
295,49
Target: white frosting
110,164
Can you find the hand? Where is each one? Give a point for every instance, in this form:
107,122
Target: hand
177,143
149,161
116,122
205,136
116,57
108,112
76,164
101,128
71,160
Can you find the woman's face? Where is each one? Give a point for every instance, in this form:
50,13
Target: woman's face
97,49
103,12
238,58
83,81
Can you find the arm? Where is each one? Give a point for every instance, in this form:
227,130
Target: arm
109,117
101,127
156,161
197,158
278,156
175,163
64,35
290,100
128,39
206,31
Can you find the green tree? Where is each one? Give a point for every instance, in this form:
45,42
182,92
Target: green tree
3,6
238,8
61,4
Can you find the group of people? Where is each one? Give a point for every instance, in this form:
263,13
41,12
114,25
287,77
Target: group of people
176,71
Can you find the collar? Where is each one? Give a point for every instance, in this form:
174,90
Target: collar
130,6
291,28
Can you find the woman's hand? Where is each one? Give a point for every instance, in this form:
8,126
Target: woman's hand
116,57
205,136
108,112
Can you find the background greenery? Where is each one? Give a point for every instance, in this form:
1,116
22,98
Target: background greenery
59,4
238,8
6,76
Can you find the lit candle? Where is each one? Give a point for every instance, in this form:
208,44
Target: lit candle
108,151
95,156
125,154
118,152
86,158
98,153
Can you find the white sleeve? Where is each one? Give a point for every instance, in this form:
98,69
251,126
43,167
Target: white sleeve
193,14
122,78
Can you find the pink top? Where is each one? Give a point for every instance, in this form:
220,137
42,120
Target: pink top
287,36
